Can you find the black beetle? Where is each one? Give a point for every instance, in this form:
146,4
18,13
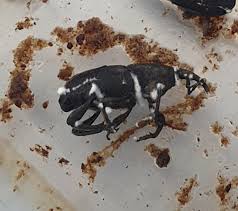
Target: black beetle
207,8
120,87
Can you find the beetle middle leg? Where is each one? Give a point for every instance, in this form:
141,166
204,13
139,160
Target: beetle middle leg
159,121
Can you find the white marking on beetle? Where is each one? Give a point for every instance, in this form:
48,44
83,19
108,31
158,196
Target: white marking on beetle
135,138
77,123
152,110
100,105
175,69
185,74
137,124
85,82
108,110
123,81
190,76
154,94
137,89
96,90
160,86
63,91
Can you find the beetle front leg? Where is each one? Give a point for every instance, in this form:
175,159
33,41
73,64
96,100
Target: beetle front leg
84,130
159,121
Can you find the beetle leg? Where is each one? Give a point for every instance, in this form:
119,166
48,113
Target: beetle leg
78,113
159,121
129,103
84,130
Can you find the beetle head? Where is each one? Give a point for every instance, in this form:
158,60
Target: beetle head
70,99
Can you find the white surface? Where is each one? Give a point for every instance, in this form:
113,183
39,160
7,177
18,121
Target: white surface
121,188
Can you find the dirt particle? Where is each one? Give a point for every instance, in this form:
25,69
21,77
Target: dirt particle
234,27
161,156
70,45
234,132
44,1
60,51
80,39
224,141
50,44
25,24
45,104
216,128
205,152
184,195
65,72
5,110
19,92
80,185
42,151
63,162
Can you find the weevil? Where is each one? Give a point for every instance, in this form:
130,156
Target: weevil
206,9
120,87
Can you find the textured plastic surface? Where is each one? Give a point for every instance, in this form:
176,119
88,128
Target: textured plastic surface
130,180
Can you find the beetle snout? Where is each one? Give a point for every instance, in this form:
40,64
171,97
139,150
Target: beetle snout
66,103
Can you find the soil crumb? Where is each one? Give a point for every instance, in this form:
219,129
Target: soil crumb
19,92
224,141
5,110
63,162
42,151
45,104
92,36
216,128
161,156
65,72
235,132
25,24
234,27
223,190
184,195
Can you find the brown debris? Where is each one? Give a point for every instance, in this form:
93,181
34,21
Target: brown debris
161,155
98,159
63,162
65,72
5,110
43,151
19,93
234,27
235,132
224,187
92,36
184,195
224,141
26,24
45,104
216,128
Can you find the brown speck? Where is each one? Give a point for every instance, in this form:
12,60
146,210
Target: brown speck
234,27
228,188
45,104
5,110
205,152
60,51
184,195
216,128
95,192
63,162
43,151
80,39
65,72
235,132
50,44
224,141
26,24
80,185
161,155
70,45
205,69
44,1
